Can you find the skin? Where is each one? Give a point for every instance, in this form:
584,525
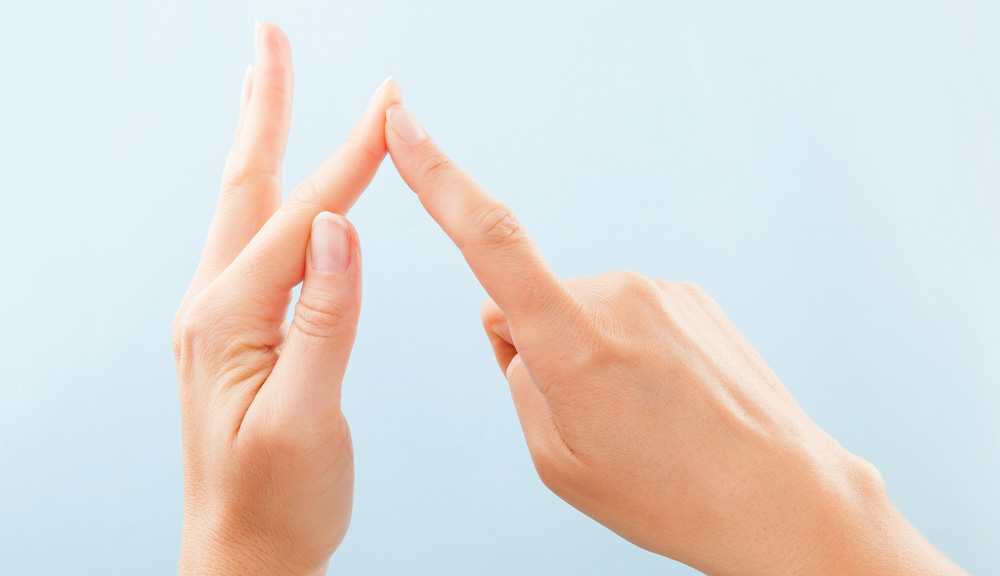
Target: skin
268,463
642,405
647,410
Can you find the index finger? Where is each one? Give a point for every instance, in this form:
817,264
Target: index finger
273,263
498,249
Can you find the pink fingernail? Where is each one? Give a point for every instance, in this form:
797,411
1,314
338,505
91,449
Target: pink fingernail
405,125
331,243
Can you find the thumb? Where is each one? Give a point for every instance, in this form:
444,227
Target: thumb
315,353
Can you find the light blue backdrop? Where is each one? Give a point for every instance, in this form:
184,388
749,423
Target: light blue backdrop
828,172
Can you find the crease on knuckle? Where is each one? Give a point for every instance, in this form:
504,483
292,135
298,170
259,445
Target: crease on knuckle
432,167
307,193
276,84
317,322
495,224
556,464
242,172
358,144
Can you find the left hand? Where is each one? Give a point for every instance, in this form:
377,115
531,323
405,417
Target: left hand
268,463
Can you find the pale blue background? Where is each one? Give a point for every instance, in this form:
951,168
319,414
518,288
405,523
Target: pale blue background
829,173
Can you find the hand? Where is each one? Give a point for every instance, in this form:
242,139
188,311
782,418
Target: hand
646,409
268,464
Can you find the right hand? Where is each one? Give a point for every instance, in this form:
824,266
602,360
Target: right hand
646,409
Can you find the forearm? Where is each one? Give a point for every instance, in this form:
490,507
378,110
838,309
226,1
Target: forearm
890,545
863,533
814,509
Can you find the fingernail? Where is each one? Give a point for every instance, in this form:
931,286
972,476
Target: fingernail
378,91
256,35
331,243
405,125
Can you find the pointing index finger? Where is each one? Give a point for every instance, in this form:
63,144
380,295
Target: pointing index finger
496,246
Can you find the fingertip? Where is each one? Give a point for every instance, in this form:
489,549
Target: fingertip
386,95
401,123
270,38
390,134
273,53
394,94
369,132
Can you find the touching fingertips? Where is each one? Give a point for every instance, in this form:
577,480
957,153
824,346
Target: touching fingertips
377,95
330,243
405,125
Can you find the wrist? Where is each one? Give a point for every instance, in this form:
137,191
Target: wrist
217,551
858,530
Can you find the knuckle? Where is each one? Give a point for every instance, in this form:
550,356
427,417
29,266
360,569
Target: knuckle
189,333
638,292
179,315
635,284
307,192
356,143
187,329
690,293
557,467
689,288
663,284
180,331
318,321
866,477
434,165
495,224
490,314
548,467
235,175
242,173
176,336
276,86
682,288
